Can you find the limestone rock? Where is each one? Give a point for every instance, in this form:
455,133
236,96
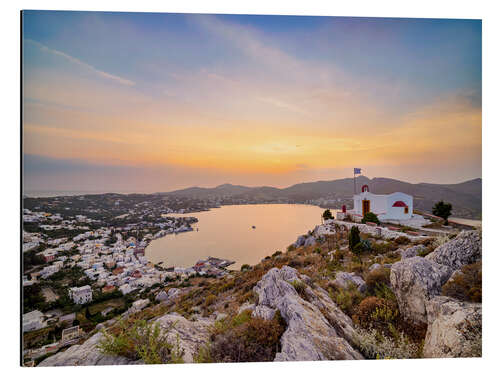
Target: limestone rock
309,334
300,241
189,334
310,241
412,251
415,281
464,249
162,296
454,328
343,279
86,354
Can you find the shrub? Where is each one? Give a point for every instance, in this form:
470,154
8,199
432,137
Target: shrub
244,339
299,286
377,278
391,258
295,263
354,238
277,253
467,285
348,299
374,312
291,248
370,217
375,345
245,267
382,248
327,215
402,240
308,261
422,253
142,341
210,300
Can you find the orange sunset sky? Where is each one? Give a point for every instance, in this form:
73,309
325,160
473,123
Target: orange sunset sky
154,102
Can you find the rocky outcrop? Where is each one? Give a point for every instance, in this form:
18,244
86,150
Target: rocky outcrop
86,354
344,279
168,296
415,281
464,249
411,251
316,328
189,334
454,328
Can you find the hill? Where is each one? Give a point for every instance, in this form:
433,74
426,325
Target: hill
465,197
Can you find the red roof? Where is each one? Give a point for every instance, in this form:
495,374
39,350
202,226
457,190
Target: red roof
399,204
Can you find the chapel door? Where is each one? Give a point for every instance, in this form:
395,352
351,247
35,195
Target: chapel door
366,206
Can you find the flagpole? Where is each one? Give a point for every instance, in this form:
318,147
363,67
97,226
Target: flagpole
354,179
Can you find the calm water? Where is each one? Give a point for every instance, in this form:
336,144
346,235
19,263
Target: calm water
227,233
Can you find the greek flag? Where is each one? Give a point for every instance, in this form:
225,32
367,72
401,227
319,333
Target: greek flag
357,170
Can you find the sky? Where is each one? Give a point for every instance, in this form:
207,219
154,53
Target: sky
147,102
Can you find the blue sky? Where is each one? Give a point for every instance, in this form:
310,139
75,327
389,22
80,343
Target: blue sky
257,100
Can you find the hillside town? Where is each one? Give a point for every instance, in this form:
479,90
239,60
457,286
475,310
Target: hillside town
75,262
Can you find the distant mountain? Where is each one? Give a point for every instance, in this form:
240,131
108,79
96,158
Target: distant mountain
465,197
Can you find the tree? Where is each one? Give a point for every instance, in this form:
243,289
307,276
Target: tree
443,210
327,215
354,238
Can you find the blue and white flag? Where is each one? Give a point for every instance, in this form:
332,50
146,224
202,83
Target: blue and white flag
357,170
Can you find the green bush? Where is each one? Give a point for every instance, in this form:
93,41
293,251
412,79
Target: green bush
354,237
348,299
245,267
327,215
142,341
370,217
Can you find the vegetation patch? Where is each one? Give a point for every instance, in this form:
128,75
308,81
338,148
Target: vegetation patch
141,341
243,339
467,285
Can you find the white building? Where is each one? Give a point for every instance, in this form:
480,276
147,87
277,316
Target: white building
388,207
81,295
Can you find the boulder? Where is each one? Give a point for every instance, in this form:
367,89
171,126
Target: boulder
454,328
189,334
310,334
464,249
415,281
412,251
162,296
310,241
300,241
343,279
86,354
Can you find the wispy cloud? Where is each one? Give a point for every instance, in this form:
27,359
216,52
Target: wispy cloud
79,62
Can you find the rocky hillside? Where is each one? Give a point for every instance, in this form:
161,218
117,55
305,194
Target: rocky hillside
400,297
